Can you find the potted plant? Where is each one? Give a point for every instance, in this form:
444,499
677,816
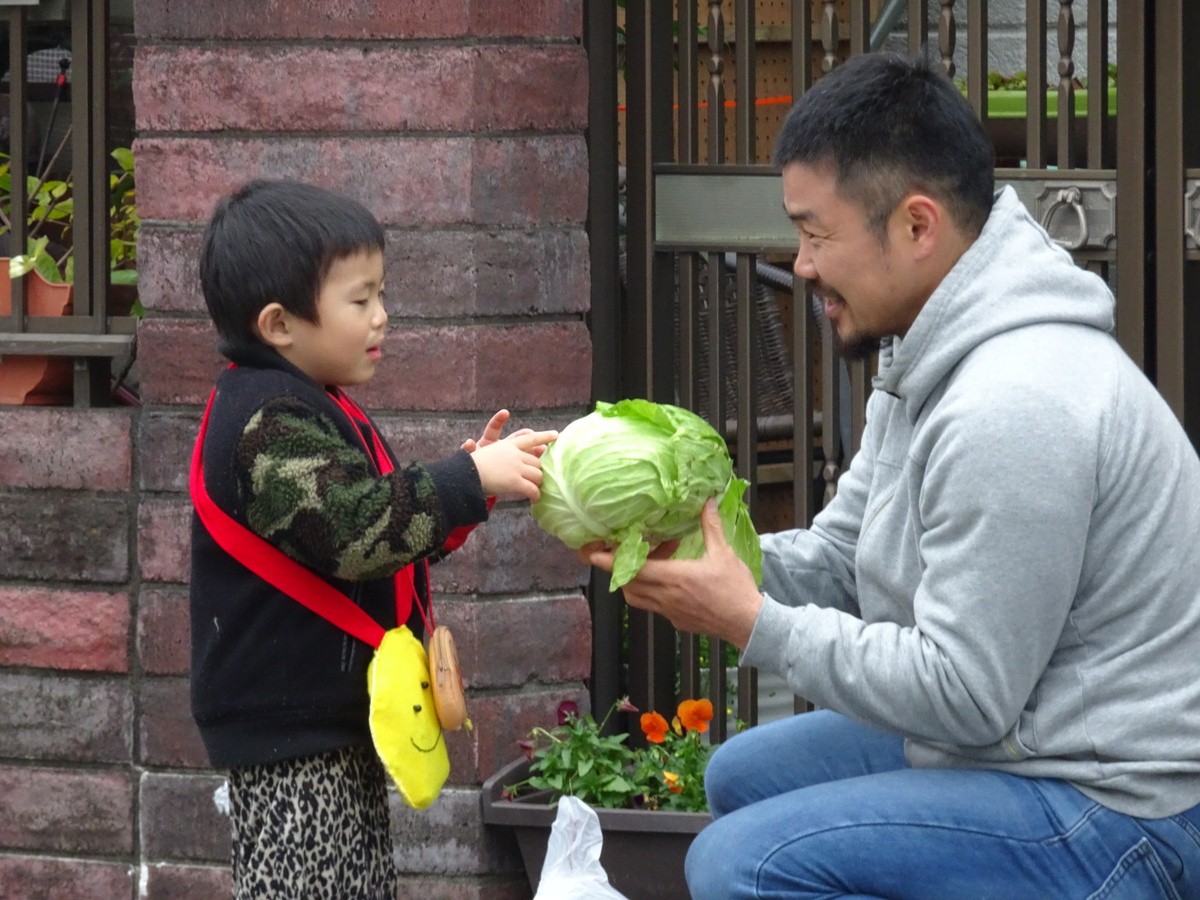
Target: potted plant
48,268
650,800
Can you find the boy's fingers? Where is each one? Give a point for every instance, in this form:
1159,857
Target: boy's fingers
536,439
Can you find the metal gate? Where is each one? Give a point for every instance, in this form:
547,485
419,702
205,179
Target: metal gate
692,297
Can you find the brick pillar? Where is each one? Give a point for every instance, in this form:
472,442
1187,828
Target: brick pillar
67,775
460,124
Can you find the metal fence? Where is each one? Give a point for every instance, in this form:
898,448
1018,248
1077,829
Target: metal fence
704,223
88,335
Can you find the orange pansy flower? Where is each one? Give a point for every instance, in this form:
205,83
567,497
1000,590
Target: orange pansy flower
696,714
655,727
672,781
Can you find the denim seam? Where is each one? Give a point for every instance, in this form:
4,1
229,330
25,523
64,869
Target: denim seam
890,822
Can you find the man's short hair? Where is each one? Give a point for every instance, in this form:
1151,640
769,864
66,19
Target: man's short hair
275,240
888,126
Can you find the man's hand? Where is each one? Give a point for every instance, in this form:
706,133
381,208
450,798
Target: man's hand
714,595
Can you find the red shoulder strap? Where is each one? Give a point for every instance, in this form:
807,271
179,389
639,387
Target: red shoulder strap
281,571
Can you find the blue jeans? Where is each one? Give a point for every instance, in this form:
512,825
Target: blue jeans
817,805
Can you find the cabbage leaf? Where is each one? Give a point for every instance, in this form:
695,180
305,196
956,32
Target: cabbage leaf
636,473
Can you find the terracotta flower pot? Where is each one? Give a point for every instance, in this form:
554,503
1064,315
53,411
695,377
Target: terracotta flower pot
36,380
643,850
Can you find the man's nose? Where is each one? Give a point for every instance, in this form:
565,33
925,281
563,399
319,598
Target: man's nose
803,266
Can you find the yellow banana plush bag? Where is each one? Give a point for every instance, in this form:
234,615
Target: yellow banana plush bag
404,721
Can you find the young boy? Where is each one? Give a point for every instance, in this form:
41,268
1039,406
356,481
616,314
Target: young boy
293,280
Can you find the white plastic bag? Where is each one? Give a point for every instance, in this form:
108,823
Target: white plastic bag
572,869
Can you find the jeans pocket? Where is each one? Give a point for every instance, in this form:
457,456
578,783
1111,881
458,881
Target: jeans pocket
1139,875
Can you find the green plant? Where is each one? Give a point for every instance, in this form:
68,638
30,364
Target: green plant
576,758
50,215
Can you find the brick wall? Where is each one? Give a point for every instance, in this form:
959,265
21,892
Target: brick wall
460,124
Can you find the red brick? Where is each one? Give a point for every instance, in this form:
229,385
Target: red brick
494,640
66,811
305,88
449,838
178,360
177,882
441,274
418,437
518,87
164,539
65,718
533,18
180,820
41,878
168,733
61,629
402,180
71,449
482,367
163,632
511,887
72,537
165,442
519,180
507,554
341,20
500,720
168,268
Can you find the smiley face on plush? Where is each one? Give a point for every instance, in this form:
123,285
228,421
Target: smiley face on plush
403,719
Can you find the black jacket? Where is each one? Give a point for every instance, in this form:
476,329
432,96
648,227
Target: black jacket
271,680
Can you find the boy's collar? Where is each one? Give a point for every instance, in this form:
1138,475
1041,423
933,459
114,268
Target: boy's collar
259,356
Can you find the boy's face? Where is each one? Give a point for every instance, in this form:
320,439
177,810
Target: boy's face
345,345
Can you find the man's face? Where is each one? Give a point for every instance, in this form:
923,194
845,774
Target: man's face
864,285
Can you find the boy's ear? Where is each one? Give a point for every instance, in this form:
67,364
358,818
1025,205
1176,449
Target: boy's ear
272,324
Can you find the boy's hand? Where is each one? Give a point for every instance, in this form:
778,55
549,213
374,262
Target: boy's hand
511,466
491,432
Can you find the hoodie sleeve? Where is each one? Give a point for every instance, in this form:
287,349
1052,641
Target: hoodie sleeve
816,565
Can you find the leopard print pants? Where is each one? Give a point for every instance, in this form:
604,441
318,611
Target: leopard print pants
312,829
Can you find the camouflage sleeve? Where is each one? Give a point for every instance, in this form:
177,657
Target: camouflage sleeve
317,498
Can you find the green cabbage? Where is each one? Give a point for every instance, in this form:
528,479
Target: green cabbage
636,473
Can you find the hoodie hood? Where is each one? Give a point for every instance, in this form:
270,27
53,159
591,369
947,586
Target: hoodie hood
1011,277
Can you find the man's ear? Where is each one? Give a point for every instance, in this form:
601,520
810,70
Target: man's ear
273,324
924,221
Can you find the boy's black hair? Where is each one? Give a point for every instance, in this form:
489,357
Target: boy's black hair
275,240
889,125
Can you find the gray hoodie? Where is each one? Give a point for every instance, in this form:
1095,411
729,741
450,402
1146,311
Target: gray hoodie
1009,575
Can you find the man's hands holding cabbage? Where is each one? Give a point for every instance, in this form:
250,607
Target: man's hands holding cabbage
635,476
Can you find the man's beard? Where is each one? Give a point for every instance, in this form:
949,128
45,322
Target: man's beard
856,347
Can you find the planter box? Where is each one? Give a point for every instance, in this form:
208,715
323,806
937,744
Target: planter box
36,380
643,850
1006,126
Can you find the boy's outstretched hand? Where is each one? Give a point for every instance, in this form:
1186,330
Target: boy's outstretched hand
511,465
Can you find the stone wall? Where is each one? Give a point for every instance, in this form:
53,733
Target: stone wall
461,125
